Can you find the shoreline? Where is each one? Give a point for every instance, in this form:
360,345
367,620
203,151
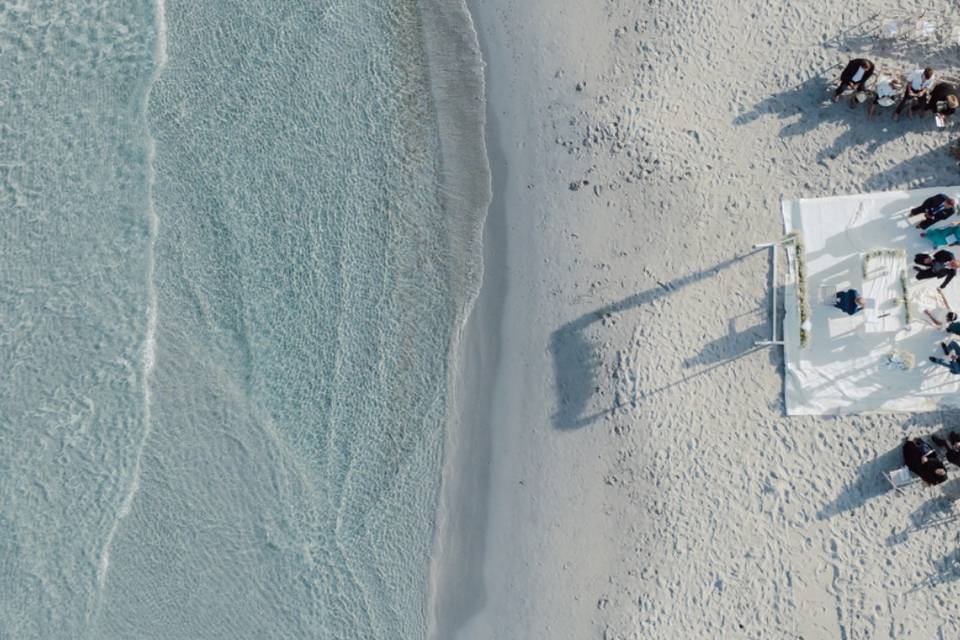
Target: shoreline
460,109
459,591
503,476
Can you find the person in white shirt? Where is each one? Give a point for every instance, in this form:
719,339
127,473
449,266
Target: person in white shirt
885,94
943,317
919,84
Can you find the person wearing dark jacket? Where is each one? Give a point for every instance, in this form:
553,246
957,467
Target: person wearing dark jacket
926,260
849,301
943,99
921,459
854,76
952,447
942,264
934,209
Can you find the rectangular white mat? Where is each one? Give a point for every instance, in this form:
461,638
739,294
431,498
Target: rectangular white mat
846,368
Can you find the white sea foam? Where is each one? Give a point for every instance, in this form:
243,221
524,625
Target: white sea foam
148,355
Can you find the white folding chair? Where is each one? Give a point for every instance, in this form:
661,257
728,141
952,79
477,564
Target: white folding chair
900,478
827,295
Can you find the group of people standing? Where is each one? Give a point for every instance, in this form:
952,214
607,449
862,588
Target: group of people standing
941,264
922,93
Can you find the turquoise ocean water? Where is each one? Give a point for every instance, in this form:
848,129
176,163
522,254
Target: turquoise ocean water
232,273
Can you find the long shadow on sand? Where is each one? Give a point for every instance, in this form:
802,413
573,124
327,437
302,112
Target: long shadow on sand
869,484
934,512
946,570
933,168
735,340
806,101
575,367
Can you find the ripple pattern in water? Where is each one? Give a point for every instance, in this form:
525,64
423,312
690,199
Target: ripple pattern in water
227,302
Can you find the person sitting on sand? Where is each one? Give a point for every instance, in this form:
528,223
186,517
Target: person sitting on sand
921,459
941,236
934,209
919,84
952,361
943,100
854,76
885,94
952,446
850,301
942,264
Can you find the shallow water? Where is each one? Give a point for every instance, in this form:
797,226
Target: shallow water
229,291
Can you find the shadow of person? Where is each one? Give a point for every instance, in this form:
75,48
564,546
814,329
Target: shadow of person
733,343
810,100
574,365
946,570
869,229
933,168
935,512
871,134
869,484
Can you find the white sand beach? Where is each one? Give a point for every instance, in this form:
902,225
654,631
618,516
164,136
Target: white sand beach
623,467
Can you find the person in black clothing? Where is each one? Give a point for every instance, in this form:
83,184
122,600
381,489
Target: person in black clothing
952,447
934,209
849,301
854,76
926,260
942,264
923,461
943,99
